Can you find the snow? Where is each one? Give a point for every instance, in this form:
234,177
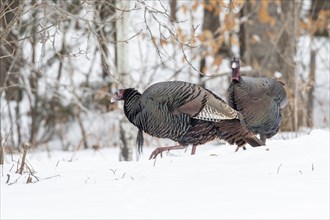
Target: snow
287,179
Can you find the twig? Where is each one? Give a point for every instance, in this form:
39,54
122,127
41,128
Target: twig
50,177
31,173
29,179
190,64
278,169
8,178
11,168
113,171
14,181
87,180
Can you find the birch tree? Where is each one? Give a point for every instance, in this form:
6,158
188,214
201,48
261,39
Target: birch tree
123,70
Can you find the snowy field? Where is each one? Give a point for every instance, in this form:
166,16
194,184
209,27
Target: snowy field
287,179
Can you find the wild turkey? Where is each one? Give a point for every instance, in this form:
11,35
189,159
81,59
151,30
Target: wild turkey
260,101
185,113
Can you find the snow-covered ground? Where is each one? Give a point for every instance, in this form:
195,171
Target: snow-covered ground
287,179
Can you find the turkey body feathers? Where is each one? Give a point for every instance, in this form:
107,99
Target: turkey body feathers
185,113
260,101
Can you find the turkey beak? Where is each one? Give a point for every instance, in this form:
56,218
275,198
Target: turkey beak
118,96
235,69
114,98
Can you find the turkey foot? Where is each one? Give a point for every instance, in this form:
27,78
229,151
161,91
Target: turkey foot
243,147
160,150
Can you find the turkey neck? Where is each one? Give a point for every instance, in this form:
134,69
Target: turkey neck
236,75
239,93
239,82
131,100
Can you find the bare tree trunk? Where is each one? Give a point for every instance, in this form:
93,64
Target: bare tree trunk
10,13
319,6
211,22
104,11
1,139
310,90
122,64
269,46
173,5
287,53
244,34
83,130
18,124
34,86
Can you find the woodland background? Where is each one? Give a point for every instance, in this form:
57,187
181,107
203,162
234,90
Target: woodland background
60,61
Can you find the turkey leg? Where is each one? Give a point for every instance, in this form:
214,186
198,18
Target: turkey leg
160,150
263,138
193,149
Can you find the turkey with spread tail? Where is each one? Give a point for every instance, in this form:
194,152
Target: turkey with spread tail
185,113
259,100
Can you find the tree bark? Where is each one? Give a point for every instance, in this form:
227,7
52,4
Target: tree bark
1,139
173,5
269,46
123,69
104,10
10,12
211,22
34,84
321,23
310,90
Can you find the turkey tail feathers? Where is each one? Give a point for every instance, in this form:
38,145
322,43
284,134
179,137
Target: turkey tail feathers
234,132
253,140
139,141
